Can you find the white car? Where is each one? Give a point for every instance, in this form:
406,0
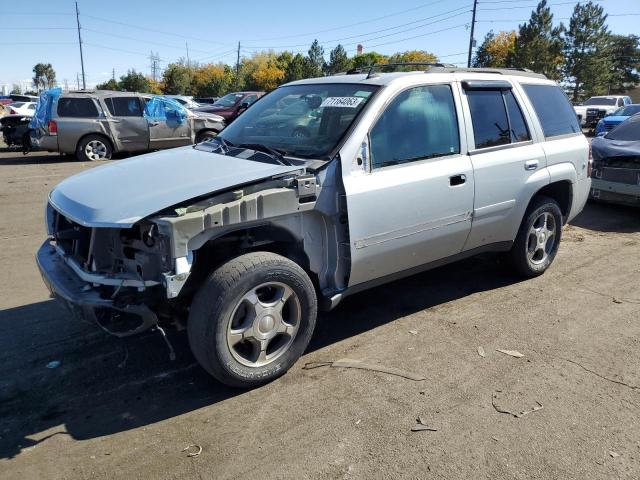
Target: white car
593,110
21,108
184,100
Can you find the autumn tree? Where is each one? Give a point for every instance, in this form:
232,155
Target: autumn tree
261,71
339,61
496,50
586,47
44,76
538,45
212,80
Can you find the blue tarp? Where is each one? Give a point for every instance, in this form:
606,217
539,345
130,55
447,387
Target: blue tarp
44,107
165,109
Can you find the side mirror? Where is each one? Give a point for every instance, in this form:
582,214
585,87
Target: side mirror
244,105
601,134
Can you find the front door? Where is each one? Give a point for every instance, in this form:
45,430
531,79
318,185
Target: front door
170,132
128,126
414,206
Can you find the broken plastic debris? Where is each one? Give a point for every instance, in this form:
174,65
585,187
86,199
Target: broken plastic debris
413,332
495,399
422,426
513,353
54,364
614,454
197,448
347,363
481,352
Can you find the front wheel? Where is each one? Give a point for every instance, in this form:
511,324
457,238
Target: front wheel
252,319
538,239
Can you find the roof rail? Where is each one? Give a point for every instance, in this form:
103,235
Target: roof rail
524,72
372,68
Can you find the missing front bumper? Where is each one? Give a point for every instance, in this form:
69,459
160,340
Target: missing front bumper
85,302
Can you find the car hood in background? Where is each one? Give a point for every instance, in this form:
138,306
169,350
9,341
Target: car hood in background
614,119
122,192
207,115
602,148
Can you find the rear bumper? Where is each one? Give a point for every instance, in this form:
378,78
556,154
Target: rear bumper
80,298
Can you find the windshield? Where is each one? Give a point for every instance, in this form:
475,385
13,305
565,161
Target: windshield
600,101
627,111
17,104
228,100
304,121
628,130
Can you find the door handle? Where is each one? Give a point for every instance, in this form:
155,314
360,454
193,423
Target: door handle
153,124
456,180
531,164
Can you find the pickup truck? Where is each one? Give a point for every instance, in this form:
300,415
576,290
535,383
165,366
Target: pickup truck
244,237
593,110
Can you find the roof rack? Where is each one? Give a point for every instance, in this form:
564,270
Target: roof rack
372,68
518,71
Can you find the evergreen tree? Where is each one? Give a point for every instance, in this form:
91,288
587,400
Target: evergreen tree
538,45
587,56
134,82
295,69
624,52
338,60
315,63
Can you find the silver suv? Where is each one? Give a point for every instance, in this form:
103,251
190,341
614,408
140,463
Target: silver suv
92,125
372,177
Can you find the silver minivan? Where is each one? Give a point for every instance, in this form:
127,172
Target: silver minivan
92,125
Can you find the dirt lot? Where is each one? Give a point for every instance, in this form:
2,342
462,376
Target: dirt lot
122,409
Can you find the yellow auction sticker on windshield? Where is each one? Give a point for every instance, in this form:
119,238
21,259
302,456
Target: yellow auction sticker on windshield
342,102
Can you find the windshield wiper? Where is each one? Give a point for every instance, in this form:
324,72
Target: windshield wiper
278,155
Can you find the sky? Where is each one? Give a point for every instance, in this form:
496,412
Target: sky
121,34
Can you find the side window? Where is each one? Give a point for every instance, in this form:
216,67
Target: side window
31,107
489,118
250,99
77,107
419,123
554,111
124,106
517,125
620,102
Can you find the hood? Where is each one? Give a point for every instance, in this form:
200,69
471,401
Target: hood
603,147
122,192
207,115
614,119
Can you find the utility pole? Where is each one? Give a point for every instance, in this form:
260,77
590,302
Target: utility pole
113,74
84,83
238,67
78,80
155,60
473,25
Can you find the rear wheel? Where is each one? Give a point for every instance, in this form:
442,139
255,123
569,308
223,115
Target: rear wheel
538,239
252,319
94,148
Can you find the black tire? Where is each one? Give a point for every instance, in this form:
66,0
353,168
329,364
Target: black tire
206,135
518,255
103,145
217,299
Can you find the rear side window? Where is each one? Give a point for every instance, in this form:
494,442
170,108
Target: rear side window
554,111
77,107
497,118
419,123
124,106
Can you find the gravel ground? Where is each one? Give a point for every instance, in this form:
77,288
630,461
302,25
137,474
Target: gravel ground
122,409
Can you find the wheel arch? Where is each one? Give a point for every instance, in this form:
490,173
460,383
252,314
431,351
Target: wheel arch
561,191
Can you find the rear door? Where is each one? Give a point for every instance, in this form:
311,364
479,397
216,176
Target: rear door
128,126
507,162
76,117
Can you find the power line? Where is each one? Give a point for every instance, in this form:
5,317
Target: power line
528,6
125,37
418,36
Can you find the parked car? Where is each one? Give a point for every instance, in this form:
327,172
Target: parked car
593,110
616,164
203,101
93,125
185,101
21,108
232,105
15,129
612,120
246,235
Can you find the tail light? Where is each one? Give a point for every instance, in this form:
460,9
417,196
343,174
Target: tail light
53,127
590,163
13,112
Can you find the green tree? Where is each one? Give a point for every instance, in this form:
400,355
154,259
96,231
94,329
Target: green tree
110,84
296,68
496,50
538,45
624,52
15,89
338,60
368,59
588,63
134,82
44,76
176,79
315,65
